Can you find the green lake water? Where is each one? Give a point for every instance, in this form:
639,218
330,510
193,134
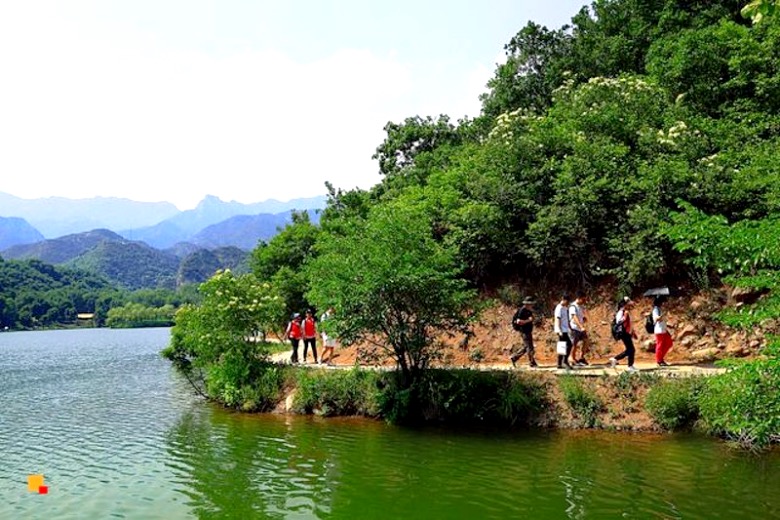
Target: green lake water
118,434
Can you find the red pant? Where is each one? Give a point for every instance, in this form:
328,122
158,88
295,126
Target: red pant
663,342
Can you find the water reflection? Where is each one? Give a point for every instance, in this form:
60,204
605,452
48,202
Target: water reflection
119,435
238,466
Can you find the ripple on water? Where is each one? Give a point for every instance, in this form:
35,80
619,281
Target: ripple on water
117,434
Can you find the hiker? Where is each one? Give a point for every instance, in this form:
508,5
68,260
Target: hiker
294,333
627,334
579,335
561,327
328,341
309,335
663,340
523,322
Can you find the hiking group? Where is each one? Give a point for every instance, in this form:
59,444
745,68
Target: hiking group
306,329
570,324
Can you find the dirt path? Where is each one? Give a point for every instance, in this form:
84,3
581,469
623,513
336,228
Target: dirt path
593,370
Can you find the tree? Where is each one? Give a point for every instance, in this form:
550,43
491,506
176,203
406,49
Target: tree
281,260
414,138
535,65
392,284
217,337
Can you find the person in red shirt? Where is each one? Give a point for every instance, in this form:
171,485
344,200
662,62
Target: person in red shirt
294,333
309,335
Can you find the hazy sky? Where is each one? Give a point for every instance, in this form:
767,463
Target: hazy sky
247,100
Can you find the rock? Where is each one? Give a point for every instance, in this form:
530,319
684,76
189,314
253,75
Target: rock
705,354
688,330
695,305
649,345
747,295
722,334
754,344
737,351
687,341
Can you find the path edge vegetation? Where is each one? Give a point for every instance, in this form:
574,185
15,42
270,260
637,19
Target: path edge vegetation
605,152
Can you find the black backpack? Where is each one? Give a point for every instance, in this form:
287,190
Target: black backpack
650,324
516,325
616,328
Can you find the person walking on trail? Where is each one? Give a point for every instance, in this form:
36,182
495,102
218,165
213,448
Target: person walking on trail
523,322
627,334
663,340
562,329
579,335
328,341
309,335
294,333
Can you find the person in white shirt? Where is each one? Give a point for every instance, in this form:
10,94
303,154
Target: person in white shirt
562,329
663,340
579,335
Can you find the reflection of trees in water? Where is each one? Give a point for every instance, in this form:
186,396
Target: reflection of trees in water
238,466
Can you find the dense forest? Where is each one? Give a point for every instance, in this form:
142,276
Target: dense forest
34,294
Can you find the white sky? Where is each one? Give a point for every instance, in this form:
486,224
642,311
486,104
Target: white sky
248,100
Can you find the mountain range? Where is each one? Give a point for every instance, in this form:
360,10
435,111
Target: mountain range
183,247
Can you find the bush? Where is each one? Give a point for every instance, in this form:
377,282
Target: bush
464,396
582,400
260,393
673,403
337,392
744,403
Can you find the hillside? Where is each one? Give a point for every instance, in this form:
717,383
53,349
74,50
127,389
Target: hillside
17,231
244,231
200,265
62,249
132,265
33,293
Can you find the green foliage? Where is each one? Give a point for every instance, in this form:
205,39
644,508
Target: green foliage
413,142
673,403
281,262
391,284
744,403
137,315
465,397
132,265
217,338
37,294
535,66
581,398
337,392
744,247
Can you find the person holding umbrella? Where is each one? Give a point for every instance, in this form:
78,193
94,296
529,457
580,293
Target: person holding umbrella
663,340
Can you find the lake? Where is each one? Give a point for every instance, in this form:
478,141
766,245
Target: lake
118,434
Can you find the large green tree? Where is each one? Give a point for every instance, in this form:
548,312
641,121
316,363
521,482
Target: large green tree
393,285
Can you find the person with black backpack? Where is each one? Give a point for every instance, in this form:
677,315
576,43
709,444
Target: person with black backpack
523,322
621,326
